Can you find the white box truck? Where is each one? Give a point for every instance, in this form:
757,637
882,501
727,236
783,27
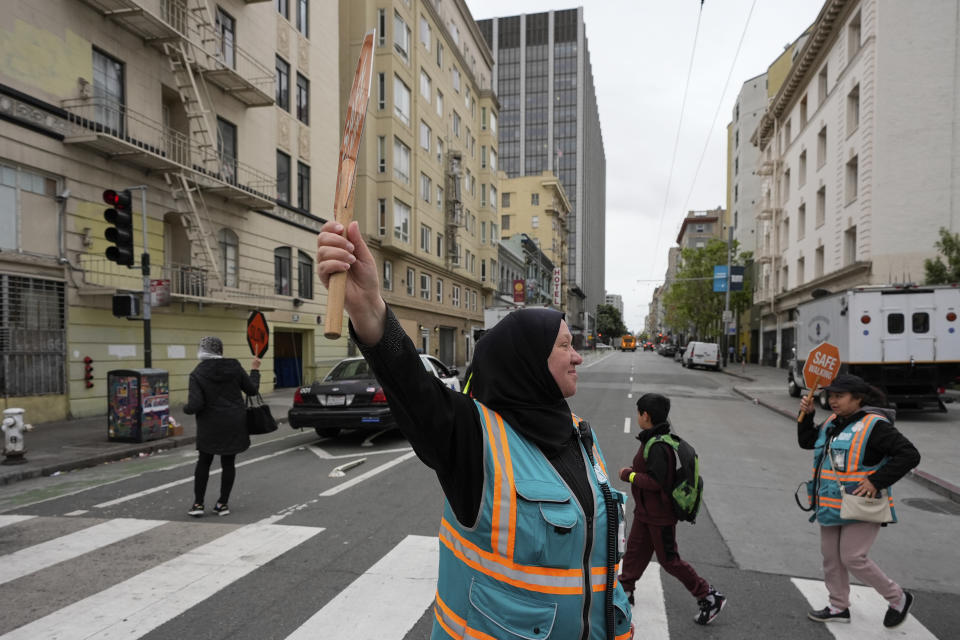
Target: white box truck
903,339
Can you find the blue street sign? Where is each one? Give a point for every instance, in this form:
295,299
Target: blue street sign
720,278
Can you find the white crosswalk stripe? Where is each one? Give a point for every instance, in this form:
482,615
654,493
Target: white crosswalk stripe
650,607
136,606
866,614
410,569
47,554
6,521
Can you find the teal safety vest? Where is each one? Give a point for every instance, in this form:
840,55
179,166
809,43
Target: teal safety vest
838,464
523,570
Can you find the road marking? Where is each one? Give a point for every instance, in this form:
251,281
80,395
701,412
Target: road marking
386,601
867,609
648,595
325,455
369,474
46,554
626,425
135,607
175,483
8,520
631,378
629,396
78,512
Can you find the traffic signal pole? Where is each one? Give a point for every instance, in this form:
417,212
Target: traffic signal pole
145,270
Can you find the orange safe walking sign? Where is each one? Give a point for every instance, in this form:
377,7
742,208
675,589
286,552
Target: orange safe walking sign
822,365
258,334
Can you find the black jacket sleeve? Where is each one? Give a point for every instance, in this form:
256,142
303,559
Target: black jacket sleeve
886,441
442,425
195,399
807,432
660,461
250,384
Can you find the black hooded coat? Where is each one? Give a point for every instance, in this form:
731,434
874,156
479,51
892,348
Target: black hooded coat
216,399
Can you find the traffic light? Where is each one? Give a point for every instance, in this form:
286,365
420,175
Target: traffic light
125,305
120,215
88,371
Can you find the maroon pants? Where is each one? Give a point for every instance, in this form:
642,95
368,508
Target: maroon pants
644,540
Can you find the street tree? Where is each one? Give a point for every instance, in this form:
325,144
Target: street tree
609,322
937,271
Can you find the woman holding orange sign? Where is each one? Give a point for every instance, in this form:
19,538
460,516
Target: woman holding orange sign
857,451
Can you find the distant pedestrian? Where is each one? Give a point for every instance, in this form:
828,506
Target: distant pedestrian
731,354
743,357
217,385
654,526
857,450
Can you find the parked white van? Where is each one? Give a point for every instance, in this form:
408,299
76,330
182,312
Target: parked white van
702,354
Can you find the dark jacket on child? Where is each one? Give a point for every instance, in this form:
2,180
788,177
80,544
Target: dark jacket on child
216,397
652,502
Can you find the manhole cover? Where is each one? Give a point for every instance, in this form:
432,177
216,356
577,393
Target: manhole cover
935,506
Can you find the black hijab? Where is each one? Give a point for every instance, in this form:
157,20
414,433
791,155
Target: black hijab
509,374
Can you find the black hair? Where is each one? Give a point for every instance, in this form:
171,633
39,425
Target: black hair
872,396
656,405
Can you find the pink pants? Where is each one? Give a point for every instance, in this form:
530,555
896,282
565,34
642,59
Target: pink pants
844,550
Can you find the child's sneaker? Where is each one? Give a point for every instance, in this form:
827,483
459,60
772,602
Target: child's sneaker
221,509
710,607
196,510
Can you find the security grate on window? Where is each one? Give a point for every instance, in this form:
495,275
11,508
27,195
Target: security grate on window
32,336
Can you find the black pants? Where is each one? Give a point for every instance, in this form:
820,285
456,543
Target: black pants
202,474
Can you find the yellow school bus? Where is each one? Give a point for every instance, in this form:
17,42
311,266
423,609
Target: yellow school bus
628,343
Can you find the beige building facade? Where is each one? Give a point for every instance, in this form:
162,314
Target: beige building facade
223,112
427,182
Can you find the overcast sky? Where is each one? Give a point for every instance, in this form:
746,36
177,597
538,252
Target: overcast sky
641,51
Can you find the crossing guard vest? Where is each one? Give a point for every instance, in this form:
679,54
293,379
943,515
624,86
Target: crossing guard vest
840,465
519,572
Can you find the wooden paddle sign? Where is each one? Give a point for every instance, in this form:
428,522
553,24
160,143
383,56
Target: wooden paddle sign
346,175
258,334
821,367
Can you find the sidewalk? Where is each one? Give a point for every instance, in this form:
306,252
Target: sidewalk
936,435
65,445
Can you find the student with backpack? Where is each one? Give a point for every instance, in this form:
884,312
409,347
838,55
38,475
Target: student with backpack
664,492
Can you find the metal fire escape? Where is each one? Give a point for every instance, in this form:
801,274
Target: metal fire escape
453,208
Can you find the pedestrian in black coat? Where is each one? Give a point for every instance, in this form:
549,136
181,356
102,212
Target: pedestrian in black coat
217,386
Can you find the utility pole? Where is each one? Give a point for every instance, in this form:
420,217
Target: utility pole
726,306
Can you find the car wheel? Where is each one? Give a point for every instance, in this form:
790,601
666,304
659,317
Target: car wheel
793,388
327,432
824,403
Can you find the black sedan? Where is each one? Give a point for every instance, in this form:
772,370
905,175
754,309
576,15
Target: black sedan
349,397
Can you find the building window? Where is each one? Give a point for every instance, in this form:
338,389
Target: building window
853,110
483,194
401,100
401,221
493,122
439,245
303,17
283,8
801,221
535,199
426,86
410,284
800,267
425,33
505,202
852,178
802,169
381,91
387,275
535,222
401,37
822,87
456,80
439,103
33,347
381,154
853,37
426,188
440,290
786,134
303,99
227,150
483,270
108,92
303,186
283,84
505,223
426,235
381,217
483,156
493,197
493,160
381,27
426,134
786,185
483,232
821,206
850,246
281,271
401,161
227,240
304,275
456,124
439,197
425,286
225,27
473,300
455,296
483,118
439,54
494,234
283,177
803,111
19,201
818,263
822,147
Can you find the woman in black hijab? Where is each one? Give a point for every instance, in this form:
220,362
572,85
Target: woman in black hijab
522,470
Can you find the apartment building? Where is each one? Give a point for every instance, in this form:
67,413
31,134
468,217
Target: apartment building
427,180
550,122
536,206
856,153
210,110
615,300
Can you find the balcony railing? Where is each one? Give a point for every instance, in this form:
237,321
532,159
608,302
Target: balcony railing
122,133
182,283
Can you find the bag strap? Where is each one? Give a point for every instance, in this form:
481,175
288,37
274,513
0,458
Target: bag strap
796,496
251,403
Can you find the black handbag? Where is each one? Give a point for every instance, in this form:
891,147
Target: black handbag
259,418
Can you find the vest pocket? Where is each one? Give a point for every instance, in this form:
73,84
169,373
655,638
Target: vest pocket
508,616
622,611
546,526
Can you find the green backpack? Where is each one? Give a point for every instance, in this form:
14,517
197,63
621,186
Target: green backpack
687,483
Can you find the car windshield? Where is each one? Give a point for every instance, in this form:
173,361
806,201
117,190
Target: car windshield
350,370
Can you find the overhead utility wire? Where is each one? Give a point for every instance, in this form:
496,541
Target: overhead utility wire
676,142
716,114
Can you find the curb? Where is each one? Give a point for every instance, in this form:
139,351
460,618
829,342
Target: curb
932,482
737,375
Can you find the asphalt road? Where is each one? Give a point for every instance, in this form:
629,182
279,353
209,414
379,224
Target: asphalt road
110,552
